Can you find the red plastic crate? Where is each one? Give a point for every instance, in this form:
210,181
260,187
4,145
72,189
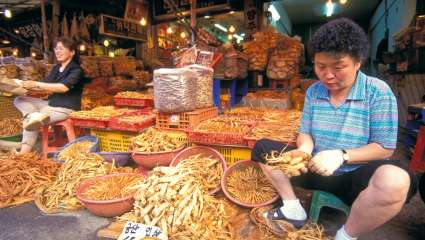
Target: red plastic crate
90,123
115,124
184,120
133,102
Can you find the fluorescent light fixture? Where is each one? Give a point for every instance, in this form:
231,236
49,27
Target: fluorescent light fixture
8,13
221,27
329,8
275,13
238,37
5,41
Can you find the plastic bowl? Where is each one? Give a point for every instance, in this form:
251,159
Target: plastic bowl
121,158
94,148
235,166
204,151
105,208
154,159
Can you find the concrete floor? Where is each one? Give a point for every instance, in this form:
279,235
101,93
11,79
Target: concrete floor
26,222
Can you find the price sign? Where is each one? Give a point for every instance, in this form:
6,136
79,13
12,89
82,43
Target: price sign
136,231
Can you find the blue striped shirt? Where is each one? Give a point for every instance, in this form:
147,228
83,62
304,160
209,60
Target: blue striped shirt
368,115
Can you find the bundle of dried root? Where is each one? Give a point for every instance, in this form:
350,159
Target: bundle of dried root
113,187
78,147
22,175
61,194
248,184
206,170
291,163
10,126
174,201
153,140
310,231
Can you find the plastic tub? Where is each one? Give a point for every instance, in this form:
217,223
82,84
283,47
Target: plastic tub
105,208
237,165
121,158
154,159
94,148
204,151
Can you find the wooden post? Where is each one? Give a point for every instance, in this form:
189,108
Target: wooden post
193,20
44,28
55,18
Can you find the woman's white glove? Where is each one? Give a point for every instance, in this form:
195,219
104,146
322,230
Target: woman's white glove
326,162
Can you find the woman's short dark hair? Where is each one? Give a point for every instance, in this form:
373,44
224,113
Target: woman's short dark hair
70,44
340,36
66,42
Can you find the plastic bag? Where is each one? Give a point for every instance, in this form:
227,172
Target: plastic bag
204,85
174,90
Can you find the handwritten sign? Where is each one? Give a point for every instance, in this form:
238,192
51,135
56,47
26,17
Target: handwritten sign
250,20
136,231
118,27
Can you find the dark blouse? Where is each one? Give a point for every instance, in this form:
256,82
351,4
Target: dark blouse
73,78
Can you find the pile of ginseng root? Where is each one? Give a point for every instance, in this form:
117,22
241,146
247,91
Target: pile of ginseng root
292,163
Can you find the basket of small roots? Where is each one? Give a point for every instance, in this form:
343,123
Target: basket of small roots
155,148
245,184
110,195
205,164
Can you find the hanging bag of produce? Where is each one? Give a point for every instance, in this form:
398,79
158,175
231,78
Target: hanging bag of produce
174,90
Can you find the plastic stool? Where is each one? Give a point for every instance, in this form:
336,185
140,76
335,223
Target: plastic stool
57,126
238,88
418,159
324,199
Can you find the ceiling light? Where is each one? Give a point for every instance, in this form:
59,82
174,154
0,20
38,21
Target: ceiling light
16,31
82,48
243,34
232,29
207,16
8,13
111,54
5,41
343,1
231,12
329,8
143,22
230,36
106,43
183,35
221,27
275,13
15,52
33,54
169,30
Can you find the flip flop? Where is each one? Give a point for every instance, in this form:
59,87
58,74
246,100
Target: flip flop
277,214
